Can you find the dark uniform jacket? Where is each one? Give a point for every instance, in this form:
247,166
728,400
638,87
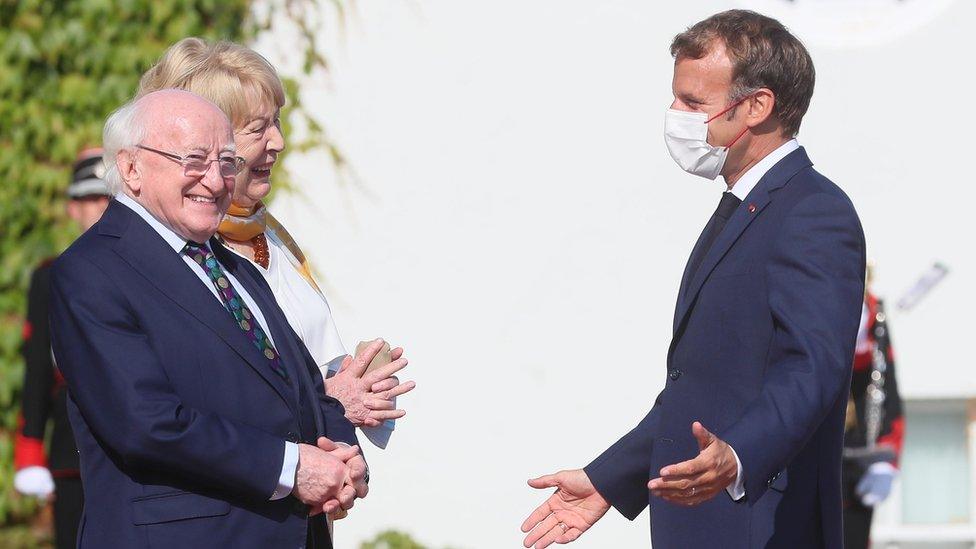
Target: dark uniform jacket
44,393
893,423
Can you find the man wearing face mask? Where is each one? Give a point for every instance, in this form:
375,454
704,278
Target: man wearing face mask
743,446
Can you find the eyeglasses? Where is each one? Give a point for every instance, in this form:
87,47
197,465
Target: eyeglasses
197,165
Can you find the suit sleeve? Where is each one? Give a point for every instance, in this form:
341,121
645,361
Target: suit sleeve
337,427
38,374
815,284
127,402
620,473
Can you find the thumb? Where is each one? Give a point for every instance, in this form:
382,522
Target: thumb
346,453
702,435
326,444
545,481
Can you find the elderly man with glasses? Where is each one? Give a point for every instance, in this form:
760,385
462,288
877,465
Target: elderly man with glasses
200,417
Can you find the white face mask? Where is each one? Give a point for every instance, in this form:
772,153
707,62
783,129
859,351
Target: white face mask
686,135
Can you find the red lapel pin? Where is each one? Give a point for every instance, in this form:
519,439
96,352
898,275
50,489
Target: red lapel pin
752,208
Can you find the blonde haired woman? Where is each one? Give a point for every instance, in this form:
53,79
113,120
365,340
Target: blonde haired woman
247,88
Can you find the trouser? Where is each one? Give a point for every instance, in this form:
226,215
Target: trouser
857,525
69,501
318,534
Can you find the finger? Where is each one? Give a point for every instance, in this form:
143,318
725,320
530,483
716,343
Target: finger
693,466
556,534
384,384
396,353
545,481
401,389
687,500
675,484
374,403
362,360
331,506
345,454
357,469
326,444
702,435
347,497
386,371
346,363
383,415
536,516
362,489
540,529
370,422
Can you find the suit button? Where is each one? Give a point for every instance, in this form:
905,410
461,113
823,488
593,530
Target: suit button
674,374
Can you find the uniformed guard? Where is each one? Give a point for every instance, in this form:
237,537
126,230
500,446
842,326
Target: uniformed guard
54,472
875,426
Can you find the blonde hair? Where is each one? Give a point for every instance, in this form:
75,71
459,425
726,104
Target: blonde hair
223,72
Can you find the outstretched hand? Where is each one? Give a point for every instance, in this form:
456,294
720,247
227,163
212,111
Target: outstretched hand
570,511
700,479
368,398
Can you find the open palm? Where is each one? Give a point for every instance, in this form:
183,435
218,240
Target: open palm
570,511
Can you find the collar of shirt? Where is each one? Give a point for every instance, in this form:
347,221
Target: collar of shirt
177,242
749,179
174,240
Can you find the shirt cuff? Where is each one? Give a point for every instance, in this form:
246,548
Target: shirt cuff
737,490
286,482
379,435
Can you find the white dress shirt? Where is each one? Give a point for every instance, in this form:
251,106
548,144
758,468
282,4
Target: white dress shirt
749,179
741,190
309,314
286,481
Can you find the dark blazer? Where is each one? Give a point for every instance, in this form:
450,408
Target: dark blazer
763,339
180,421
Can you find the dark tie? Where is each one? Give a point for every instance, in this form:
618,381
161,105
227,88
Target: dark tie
726,207
201,254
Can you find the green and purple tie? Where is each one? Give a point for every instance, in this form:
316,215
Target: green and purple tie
204,257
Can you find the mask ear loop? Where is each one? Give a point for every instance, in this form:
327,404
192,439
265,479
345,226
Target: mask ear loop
727,109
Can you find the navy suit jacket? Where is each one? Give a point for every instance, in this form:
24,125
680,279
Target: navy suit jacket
761,354
180,422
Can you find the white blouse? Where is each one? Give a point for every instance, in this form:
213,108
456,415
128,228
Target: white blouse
305,308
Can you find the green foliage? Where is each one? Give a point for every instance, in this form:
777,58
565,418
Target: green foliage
64,65
391,539
24,537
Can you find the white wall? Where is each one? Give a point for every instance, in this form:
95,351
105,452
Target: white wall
521,229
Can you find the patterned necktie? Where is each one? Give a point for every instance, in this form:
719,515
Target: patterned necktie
201,254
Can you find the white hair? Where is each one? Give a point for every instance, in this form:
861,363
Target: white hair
124,129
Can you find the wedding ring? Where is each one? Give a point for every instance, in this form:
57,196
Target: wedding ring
693,489
564,527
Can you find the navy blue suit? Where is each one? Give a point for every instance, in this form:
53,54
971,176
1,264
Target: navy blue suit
761,353
180,421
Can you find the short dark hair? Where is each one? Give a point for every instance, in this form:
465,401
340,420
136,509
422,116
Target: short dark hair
764,55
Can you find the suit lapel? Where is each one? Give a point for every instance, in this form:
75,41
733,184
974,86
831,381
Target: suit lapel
287,342
142,248
751,207
273,317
